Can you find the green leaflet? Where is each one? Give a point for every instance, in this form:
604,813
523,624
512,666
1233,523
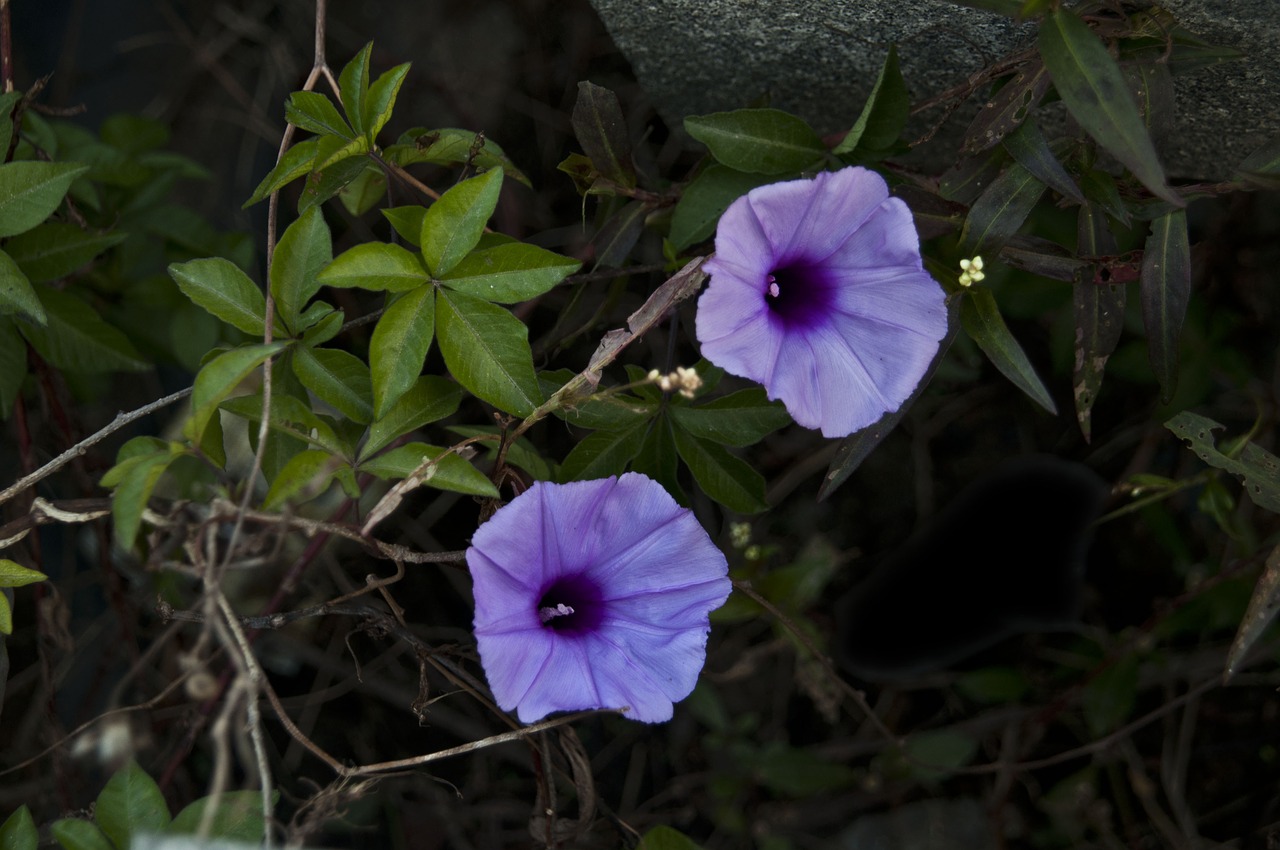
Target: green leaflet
765,141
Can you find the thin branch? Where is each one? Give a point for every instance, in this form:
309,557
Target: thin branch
121,420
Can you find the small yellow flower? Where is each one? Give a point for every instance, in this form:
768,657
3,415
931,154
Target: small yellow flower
971,271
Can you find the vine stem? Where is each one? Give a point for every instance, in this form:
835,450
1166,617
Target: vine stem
6,49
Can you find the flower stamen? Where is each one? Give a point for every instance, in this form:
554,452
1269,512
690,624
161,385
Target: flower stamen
546,615
773,286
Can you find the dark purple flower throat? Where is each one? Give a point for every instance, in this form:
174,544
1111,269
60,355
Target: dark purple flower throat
799,293
571,605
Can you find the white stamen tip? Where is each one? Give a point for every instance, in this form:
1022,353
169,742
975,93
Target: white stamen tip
774,290
549,614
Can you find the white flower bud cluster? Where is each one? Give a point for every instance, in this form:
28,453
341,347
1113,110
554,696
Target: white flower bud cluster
682,380
971,271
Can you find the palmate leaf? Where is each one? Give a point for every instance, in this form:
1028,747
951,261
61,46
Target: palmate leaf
130,804
304,250
221,288
340,379
376,266
487,350
509,273
315,113
453,225
603,453
452,472
31,191
353,86
399,346
295,163
728,479
738,419
764,141
429,399
382,99
1092,86
1166,288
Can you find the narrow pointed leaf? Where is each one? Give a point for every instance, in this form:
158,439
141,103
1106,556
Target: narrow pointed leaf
16,293
510,272
1000,210
220,287
452,472
453,224
338,378
295,163
13,574
377,266
601,129
884,114
399,346
1166,288
1028,147
429,399
1099,317
983,323
729,480
304,250
76,338
487,350
1262,610
31,191
1092,86
765,141
1005,110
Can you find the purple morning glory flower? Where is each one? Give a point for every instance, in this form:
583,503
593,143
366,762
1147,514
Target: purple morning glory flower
594,594
818,292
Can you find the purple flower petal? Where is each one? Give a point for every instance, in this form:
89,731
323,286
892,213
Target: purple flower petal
594,594
818,292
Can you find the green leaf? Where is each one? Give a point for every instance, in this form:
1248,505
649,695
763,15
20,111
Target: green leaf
13,574
76,338
338,378
1264,604
220,287
603,453
16,293
983,323
619,234
399,346
487,350
295,163
738,419
76,834
290,416
131,495
509,273
407,222
19,831
453,224
1099,315
366,191
726,478
429,399
1005,110
765,141
304,250
705,200
321,324
237,818
315,113
1028,146
382,100
798,773
1166,288
666,838
659,459
999,211
377,266
218,378
13,365
883,116
131,803
330,179
1092,86
993,685
31,191
353,86
1109,697
520,454
307,475
452,472
450,146
1100,188
56,249
938,753
601,129
1257,468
